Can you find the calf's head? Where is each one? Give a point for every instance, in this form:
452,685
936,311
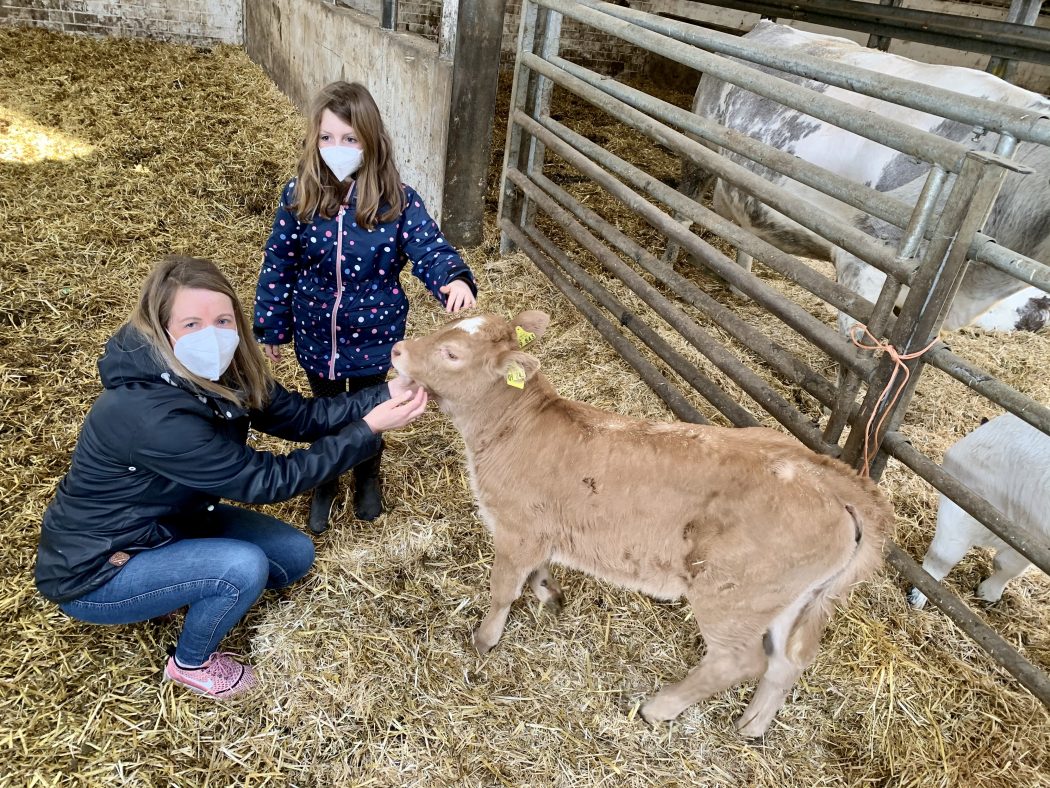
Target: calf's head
463,363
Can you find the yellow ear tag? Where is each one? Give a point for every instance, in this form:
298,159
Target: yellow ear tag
524,337
516,376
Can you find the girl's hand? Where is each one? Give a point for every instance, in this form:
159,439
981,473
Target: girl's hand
458,295
272,352
396,413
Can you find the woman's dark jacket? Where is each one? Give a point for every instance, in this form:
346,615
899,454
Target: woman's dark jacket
153,448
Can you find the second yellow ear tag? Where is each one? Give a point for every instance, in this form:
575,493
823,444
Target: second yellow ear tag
516,376
524,337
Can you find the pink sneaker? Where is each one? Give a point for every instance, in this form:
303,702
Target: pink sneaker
220,677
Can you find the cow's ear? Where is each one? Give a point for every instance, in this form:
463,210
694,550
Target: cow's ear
533,323
517,367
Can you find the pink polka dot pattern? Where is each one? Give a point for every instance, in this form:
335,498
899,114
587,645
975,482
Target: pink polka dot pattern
299,283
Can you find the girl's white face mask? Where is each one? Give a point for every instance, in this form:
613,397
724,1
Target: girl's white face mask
342,160
208,352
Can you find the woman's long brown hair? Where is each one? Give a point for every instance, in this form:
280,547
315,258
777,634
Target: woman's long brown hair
378,182
247,381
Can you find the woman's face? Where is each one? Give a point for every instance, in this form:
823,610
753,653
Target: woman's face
335,131
194,308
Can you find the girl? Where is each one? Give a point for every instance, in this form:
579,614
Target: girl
136,529
330,279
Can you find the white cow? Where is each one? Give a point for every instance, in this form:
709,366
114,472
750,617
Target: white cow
1020,218
1007,462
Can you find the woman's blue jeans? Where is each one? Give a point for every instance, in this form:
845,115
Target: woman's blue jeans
218,565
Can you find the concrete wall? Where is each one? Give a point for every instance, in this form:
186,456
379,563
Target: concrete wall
200,22
304,44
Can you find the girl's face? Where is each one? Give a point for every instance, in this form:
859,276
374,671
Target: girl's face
195,308
335,131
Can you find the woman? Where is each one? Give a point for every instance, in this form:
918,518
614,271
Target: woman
136,529
344,229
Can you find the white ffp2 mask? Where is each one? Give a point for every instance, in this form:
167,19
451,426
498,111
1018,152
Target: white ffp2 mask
342,160
207,352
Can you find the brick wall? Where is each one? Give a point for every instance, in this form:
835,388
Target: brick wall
200,22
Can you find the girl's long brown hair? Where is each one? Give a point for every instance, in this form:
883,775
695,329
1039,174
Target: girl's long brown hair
247,381
378,181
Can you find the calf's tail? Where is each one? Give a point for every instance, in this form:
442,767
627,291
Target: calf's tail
870,521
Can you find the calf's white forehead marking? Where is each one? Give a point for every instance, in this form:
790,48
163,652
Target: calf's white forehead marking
471,324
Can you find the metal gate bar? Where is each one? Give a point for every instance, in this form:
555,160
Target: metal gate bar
793,369
986,384
965,109
934,281
1019,123
846,235
688,371
824,337
828,290
858,195
646,370
754,385
864,123
1031,677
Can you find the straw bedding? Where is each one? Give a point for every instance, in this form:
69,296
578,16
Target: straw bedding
115,152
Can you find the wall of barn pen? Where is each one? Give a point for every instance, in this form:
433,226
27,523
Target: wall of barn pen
303,44
197,22
205,22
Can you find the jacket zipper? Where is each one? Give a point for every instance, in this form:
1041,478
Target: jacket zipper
338,282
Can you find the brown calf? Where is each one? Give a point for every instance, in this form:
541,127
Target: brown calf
761,534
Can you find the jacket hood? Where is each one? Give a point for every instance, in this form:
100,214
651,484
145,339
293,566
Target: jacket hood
129,358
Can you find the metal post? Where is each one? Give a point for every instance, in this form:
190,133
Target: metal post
510,199
1025,12
876,41
388,20
930,294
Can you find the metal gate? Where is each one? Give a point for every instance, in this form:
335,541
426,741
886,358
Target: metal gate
958,194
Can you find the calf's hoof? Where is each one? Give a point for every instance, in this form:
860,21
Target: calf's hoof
989,595
751,727
481,645
917,599
660,708
555,602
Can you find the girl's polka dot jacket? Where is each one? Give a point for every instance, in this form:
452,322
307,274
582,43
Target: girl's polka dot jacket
355,307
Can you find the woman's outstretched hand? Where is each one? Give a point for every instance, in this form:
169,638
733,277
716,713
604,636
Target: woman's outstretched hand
397,412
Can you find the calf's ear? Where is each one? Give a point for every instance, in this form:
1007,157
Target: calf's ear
533,321
510,360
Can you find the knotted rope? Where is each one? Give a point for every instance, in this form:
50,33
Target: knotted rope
899,367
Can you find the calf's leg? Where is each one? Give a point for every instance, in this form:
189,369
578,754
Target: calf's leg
514,562
734,654
1008,564
792,647
953,538
546,588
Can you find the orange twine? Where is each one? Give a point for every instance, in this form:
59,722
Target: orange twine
898,367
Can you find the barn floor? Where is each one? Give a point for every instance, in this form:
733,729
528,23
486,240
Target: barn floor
113,153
